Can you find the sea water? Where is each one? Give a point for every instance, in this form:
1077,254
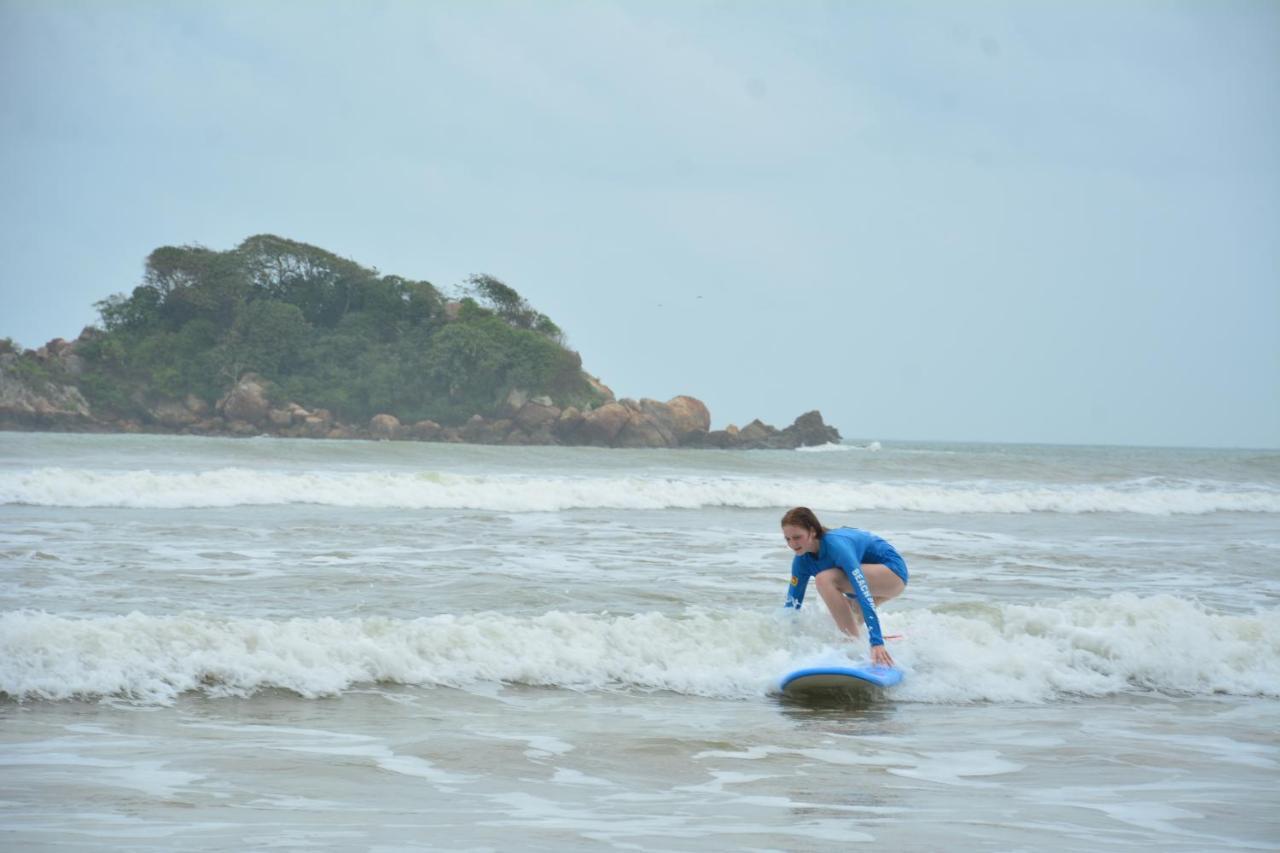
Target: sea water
216,644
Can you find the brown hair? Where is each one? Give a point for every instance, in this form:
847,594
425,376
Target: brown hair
802,516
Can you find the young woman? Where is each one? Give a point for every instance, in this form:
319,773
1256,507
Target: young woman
845,563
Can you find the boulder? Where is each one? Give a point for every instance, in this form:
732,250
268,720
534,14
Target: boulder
474,429
641,431
544,435
316,424
663,419
384,427
601,426
425,431
172,414
536,414
756,433
246,401
52,350
809,430
517,438
694,438
496,432
566,427
721,439
689,414
280,418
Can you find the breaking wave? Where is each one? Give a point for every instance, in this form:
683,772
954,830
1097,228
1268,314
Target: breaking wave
227,487
954,654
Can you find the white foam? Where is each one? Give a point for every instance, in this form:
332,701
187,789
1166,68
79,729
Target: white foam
837,447
227,487
995,653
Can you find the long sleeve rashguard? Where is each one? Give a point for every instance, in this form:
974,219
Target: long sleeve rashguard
845,548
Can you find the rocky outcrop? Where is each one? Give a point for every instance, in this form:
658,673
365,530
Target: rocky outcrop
808,430
37,391
31,401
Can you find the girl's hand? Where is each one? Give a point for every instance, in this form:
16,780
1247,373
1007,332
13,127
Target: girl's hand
880,656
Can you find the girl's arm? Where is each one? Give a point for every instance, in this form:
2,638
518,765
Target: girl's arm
799,583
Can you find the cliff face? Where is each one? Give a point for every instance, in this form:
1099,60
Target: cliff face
283,338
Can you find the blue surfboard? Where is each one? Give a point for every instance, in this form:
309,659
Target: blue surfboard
837,677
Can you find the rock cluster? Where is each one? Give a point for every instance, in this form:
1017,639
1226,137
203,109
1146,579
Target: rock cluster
32,401
28,402
680,422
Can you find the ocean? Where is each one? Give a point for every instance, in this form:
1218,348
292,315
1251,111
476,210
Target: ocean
221,644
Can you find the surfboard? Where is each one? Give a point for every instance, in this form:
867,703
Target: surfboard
838,677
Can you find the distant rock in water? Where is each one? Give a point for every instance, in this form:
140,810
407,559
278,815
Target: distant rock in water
809,430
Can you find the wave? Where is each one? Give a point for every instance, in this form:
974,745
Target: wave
957,654
835,447
227,487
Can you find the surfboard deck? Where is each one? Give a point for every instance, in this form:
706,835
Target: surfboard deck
838,677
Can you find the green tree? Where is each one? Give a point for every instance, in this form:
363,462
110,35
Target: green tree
266,337
504,301
327,331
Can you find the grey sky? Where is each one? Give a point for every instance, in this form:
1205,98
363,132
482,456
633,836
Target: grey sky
1004,221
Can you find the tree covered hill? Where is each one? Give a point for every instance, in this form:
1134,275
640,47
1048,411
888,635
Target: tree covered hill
283,338
325,332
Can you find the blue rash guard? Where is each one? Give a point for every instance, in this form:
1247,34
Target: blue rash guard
847,548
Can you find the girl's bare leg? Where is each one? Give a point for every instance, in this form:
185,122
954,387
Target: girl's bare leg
833,585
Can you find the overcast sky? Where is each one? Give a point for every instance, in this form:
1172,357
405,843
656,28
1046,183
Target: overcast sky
993,221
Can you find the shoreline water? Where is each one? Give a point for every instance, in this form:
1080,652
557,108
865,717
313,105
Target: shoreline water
409,770
538,659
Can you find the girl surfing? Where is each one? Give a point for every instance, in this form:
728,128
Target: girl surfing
846,563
